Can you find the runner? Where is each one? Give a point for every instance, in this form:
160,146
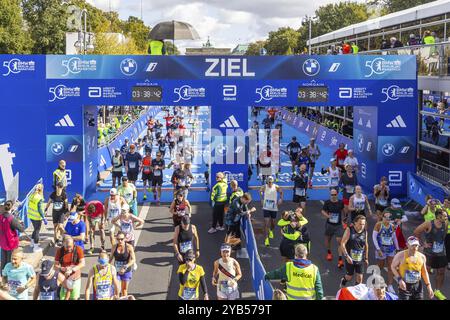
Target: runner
398,217
158,165
96,218
158,129
334,174
146,172
314,154
191,277
128,191
161,147
69,260
49,282
333,210
226,274
381,193
434,247
340,155
303,158
113,205
264,164
385,242
78,204
103,278
117,170
18,276
180,207
124,259
355,248
269,195
293,149
183,239
237,209
351,161
170,140
219,200
348,182
133,162
446,208
409,268
60,205
358,204
300,186
293,229
127,223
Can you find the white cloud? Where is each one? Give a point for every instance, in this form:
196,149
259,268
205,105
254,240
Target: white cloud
227,22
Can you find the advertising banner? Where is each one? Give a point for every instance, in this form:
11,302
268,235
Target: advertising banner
418,188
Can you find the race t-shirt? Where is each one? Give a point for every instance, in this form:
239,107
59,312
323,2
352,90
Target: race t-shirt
133,161
160,163
58,202
334,209
18,277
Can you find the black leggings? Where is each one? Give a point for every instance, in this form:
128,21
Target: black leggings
218,213
6,258
36,230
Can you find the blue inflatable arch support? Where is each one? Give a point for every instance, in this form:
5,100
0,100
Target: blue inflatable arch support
38,91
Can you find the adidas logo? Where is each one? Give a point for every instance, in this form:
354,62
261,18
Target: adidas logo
230,123
397,123
65,122
102,161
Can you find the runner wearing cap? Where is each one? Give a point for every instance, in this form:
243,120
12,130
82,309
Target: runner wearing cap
96,218
409,268
133,162
300,186
226,274
381,194
117,170
293,149
127,223
314,154
103,278
184,239
113,205
334,174
398,217
269,201
128,191
191,277
385,242
48,283
124,259
434,247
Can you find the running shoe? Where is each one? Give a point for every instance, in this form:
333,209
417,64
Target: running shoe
221,228
329,256
267,242
340,263
270,234
91,251
438,294
212,230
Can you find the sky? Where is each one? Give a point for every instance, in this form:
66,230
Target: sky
226,22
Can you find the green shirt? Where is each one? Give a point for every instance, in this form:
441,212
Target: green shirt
395,213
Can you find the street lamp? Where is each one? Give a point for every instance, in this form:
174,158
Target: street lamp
307,19
84,43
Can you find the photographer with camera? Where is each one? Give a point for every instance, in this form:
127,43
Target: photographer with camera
294,232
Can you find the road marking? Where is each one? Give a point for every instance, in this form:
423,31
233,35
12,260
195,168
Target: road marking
142,214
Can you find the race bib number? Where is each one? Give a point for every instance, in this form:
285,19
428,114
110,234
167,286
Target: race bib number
412,276
356,255
438,247
269,204
294,150
57,205
113,213
382,202
132,165
47,296
334,217
189,294
146,170
387,241
301,192
359,206
185,246
182,182
350,189
119,265
103,291
128,197
157,173
341,162
13,285
225,287
334,181
125,227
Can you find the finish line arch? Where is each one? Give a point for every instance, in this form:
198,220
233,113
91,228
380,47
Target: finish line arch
37,91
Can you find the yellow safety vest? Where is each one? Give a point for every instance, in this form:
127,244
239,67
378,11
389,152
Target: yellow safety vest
60,175
156,48
430,216
447,210
429,40
301,282
33,206
236,194
103,284
219,192
355,49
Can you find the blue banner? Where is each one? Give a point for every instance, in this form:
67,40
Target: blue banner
418,188
104,159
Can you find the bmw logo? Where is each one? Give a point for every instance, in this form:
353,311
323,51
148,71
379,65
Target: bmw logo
57,148
388,149
360,142
412,186
311,67
128,66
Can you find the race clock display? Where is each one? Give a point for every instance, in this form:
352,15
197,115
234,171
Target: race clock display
146,94
313,94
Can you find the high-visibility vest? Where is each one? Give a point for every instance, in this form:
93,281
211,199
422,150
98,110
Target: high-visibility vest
219,192
156,47
428,40
301,282
236,194
33,206
355,49
447,210
60,175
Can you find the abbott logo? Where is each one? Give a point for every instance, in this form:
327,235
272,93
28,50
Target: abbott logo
395,178
229,92
397,123
345,93
94,92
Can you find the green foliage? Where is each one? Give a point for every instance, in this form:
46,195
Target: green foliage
138,31
281,40
391,6
171,49
14,37
254,48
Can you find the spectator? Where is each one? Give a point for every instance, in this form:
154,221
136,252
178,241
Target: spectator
384,44
395,43
355,48
412,40
346,48
9,236
428,38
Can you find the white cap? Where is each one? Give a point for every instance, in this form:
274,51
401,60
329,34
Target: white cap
413,241
126,207
113,191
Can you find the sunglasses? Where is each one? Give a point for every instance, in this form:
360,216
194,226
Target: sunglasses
120,239
334,194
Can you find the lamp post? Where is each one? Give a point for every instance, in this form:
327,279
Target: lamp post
309,19
84,43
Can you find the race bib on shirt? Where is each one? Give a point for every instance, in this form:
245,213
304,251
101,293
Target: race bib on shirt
301,192
189,293
387,241
103,290
334,181
185,246
47,296
382,202
224,287
438,247
341,162
126,227
350,189
334,217
269,204
157,173
119,265
412,276
356,255
13,285
113,213
57,205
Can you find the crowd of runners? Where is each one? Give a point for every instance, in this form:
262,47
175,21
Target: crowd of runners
81,227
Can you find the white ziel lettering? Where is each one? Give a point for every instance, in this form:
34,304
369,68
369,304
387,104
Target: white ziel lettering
228,67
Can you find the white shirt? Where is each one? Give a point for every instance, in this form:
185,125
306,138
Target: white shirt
351,161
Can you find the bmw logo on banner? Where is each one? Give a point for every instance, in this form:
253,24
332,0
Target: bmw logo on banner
311,67
128,66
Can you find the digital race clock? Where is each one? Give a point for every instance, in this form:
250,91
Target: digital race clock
313,94
146,94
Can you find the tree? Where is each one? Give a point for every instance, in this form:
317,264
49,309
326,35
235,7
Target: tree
281,40
107,43
14,38
391,6
254,48
136,29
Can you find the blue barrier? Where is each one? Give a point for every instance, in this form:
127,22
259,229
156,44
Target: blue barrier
263,288
418,188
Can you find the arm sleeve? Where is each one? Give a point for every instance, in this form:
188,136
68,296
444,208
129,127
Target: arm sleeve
292,236
203,285
318,286
375,240
16,225
183,277
278,274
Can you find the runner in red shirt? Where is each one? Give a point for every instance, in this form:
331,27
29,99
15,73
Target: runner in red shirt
272,112
95,212
340,155
146,172
168,119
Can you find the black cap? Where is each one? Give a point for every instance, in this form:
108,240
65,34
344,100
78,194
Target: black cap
189,255
60,184
46,267
124,178
185,220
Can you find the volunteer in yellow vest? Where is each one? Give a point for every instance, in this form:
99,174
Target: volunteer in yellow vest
191,276
219,200
59,175
301,275
236,192
103,278
409,268
355,48
446,208
429,210
36,215
428,38
156,48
